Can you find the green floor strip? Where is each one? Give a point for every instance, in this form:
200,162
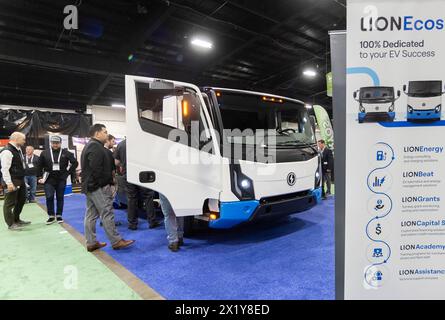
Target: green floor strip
46,262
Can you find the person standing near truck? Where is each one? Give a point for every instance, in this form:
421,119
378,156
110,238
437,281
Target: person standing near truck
31,171
327,167
97,180
13,176
174,226
56,165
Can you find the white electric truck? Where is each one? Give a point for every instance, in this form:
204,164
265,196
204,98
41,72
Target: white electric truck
376,104
231,174
424,100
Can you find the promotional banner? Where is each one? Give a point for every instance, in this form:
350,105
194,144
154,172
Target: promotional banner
325,125
329,84
395,156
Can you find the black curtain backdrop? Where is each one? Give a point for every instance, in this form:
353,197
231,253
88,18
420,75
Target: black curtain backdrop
37,124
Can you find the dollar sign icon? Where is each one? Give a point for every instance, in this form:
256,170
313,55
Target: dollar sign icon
378,229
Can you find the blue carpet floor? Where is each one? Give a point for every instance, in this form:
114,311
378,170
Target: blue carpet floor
292,258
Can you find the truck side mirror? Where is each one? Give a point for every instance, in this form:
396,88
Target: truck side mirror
355,94
398,93
404,88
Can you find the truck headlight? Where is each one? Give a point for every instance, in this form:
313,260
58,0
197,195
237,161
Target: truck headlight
410,109
317,181
245,184
391,108
242,185
438,108
362,110
317,178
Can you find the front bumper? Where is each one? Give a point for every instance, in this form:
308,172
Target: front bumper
376,117
423,115
235,213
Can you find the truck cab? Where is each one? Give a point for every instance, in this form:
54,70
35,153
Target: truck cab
424,100
223,156
376,104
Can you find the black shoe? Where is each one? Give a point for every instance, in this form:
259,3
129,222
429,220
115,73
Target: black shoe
23,223
15,227
59,219
132,227
154,224
181,242
51,220
174,247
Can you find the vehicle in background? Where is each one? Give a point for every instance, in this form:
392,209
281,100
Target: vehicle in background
376,104
424,100
199,179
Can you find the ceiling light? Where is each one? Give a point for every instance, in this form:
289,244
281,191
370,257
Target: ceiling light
202,43
309,73
115,105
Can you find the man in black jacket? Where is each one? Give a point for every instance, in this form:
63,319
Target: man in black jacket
56,165
31,172
327,167
13,173
97,179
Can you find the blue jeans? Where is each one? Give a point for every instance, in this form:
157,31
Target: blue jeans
59,189
31,181
174,226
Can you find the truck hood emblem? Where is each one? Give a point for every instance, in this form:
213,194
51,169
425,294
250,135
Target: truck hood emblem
291,179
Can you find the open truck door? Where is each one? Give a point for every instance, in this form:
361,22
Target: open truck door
171,145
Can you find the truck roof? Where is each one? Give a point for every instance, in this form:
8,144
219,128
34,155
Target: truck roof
254,93
376,87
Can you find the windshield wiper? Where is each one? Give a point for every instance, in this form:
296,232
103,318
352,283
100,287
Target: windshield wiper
293,144
297,145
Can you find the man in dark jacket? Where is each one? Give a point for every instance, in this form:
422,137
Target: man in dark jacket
97,179
56,165
327,167
31,172
13,173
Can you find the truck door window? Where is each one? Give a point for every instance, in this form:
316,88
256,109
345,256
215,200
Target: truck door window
163,110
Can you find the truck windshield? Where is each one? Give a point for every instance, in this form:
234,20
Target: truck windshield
425,88
377,94
245,114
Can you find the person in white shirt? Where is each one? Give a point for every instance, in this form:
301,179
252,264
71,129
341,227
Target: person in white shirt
13,173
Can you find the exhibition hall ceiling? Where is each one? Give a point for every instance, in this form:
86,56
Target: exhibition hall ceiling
262,45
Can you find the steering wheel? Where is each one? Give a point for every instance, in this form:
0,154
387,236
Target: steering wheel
287,130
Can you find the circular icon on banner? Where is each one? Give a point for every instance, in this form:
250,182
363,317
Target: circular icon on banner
380,181
377,252
378,229
379,205
380,155
376,276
